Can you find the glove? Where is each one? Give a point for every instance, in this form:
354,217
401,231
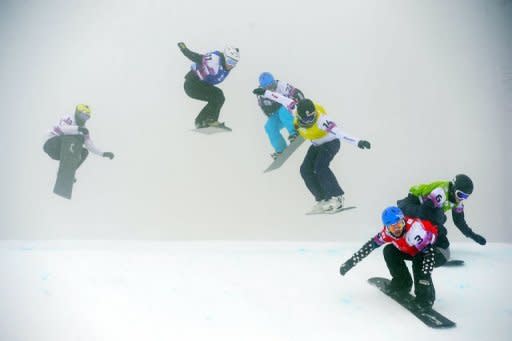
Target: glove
109,155
428,261
83,130
182,46
259,91
363,144
478,238
345,267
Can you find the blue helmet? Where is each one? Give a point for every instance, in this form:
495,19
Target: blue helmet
266,79
392,215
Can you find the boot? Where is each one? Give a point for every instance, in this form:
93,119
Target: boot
334,204
275,155
400,287
318,207
425,293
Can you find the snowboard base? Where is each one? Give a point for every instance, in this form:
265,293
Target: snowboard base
428,316
70,154
332,212
453,263
213,130
287,152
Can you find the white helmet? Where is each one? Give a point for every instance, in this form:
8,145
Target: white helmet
231,55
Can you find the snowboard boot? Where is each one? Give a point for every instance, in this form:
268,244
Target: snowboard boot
425,293
292,137
215,124
201,124
318,208
334,204
400,287
275,155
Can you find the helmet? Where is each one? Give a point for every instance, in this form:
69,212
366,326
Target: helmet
392,215
306,113
462,186
82,114
266,79
84,109
231,55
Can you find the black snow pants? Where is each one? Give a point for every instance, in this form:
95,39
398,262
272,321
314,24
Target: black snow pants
317,175
53,145
401,277
197,89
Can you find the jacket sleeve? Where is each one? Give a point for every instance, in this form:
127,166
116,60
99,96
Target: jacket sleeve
328,125
89,145
362,253
281,99
68,129
193,56
460,222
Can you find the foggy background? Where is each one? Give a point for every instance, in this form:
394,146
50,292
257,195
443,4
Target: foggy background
428,83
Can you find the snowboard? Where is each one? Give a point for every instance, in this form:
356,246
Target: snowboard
428,316
281,159
70,154
332,212
454,262
222,128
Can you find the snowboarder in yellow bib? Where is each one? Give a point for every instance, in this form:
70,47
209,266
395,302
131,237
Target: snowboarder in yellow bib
313,124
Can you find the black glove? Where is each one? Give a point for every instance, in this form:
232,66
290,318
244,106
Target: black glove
259,91
83,130
345,267
478,238
363,144
182,46
110,155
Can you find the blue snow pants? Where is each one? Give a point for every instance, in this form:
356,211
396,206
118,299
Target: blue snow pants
277,121
319,179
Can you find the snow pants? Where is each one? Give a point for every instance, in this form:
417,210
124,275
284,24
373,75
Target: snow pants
317,175
401,277
280,119
53,145
197,89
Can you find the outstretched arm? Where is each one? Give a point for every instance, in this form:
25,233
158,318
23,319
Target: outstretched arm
460,222
193,56
364,251
327,124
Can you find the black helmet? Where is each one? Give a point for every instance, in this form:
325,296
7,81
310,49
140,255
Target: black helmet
463,184
306,113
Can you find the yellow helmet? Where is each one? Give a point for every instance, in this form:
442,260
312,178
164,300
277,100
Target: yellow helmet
84,109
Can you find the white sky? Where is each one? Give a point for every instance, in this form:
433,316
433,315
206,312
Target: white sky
428,83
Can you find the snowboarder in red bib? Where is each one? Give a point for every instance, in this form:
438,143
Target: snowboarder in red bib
408,239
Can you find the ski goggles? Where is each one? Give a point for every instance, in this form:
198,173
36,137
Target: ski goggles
82,116
461,195
308,119
397,228
231,61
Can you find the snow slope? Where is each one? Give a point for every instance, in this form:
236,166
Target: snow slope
105,290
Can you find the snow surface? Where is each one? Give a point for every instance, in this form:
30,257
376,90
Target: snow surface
143,290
